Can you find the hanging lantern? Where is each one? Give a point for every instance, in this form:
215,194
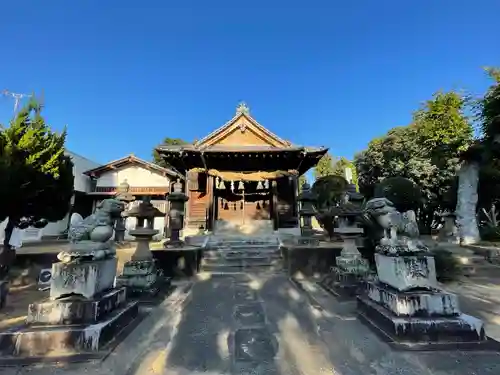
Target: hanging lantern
232,186
241,186
222,185
266,184
259,185
217,183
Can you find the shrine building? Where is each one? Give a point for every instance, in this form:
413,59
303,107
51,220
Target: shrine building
241,174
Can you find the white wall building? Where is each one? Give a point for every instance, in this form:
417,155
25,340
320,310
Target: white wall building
144,179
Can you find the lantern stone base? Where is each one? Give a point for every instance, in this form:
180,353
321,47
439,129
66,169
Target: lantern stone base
342,283
141,277
86,278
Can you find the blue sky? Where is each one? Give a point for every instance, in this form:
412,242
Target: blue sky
122,75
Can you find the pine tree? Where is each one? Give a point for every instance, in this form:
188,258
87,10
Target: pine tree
37,177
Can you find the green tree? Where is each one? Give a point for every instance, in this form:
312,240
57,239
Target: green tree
339,166
489,116
324,167
157,159
427,152
37,177
301,181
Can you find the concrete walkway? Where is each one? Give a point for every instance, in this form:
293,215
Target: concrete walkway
262,324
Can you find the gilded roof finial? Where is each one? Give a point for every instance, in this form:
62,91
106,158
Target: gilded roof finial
242,108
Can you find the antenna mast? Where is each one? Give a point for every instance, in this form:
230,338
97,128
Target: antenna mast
17,97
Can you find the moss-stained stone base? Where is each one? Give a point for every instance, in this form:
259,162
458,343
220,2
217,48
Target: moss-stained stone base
463,331
76,310
63,340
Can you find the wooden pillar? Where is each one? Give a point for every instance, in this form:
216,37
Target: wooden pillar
274,193
295,191
210,202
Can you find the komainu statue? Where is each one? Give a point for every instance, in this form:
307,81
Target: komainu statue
90,238
399,231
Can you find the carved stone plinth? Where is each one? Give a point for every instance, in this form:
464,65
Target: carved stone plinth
406,272
86,279
141,277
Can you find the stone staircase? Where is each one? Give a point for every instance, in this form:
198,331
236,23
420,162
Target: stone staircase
231,253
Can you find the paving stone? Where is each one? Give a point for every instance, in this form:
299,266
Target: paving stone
250,314
245,294
254,345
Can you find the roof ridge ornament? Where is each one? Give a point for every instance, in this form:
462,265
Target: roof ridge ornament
242,108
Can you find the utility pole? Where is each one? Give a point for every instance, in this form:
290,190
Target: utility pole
17,97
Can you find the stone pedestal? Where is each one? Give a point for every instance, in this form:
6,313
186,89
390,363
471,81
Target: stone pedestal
351,269
86,278
409,312
406,272
83,315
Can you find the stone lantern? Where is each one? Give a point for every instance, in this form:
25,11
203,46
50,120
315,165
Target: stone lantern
351,268
307,199
177,201
124,196
140,274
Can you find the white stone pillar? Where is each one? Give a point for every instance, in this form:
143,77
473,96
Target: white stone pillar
468,180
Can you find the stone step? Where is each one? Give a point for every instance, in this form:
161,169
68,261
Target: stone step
242,261
240,257
240,251
233,269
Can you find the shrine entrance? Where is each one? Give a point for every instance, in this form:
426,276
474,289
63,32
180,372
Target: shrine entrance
240,203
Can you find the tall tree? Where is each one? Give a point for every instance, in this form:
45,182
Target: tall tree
340,165
157,159
324,167
427,152
37,177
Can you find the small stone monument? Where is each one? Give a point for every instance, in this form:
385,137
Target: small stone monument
84,311
124,196
449,232
307,199
177,201
141,274
405,303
